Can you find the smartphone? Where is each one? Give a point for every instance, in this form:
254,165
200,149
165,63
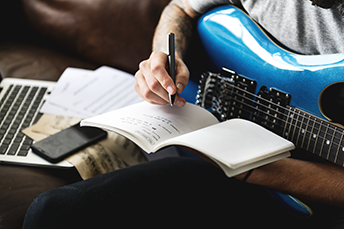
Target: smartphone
57,147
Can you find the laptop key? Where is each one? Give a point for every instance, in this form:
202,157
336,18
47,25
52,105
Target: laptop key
24,150
17,139
9,136
3,149
6,142
13,149
23,153
25,147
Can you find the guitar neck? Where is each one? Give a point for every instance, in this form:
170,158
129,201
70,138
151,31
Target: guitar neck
315,135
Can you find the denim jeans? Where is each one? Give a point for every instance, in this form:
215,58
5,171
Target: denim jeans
168,193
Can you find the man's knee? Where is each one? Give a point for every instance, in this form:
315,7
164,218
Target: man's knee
49,206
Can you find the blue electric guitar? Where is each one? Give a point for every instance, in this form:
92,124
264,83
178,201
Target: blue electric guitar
299,97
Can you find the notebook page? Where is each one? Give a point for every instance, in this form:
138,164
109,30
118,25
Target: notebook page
153,124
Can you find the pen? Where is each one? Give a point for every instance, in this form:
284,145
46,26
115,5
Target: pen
171,62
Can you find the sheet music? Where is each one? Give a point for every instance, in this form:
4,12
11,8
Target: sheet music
107,155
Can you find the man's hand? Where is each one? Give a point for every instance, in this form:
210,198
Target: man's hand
153,82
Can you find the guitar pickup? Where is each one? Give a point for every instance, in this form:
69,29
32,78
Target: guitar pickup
268,109
236,100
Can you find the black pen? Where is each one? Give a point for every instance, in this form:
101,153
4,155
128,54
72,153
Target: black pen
171,62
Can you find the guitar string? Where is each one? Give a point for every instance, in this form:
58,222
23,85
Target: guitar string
293,111
298,130
252,100
307,139
304,138
276,105
304,116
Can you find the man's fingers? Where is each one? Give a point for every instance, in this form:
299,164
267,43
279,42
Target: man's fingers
182,75
153,83
145,92
158,69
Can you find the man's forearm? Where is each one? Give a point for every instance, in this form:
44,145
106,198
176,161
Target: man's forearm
177,18
319,182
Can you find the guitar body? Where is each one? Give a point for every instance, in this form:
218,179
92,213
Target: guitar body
312,83
233,40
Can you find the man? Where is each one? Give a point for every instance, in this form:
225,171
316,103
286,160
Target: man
300,26
184,192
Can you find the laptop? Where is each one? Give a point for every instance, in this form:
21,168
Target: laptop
20,102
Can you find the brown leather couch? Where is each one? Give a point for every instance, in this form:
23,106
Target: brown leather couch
39,39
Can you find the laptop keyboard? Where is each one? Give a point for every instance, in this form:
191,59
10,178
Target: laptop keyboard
18,109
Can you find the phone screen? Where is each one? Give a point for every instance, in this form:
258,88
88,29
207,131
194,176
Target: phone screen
67,142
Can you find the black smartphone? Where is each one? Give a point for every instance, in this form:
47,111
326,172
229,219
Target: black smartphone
57,147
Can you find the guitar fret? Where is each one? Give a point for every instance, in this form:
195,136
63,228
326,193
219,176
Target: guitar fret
332,143
285,132
336,145
291,116
339,158
295,125
300,132
304,128
312,136
326,142
316,132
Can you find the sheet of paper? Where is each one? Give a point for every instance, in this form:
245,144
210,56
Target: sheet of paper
36,136
89,93
49,125
104,157
69,77
112,153
95,160
52,124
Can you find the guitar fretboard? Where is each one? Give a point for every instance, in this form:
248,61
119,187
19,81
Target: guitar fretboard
314,135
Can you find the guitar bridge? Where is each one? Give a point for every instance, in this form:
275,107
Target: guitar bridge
227,95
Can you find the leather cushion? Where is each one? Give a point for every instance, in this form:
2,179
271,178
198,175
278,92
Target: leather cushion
32,61
20,185
116,33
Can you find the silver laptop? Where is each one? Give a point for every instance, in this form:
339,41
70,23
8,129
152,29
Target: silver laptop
20,102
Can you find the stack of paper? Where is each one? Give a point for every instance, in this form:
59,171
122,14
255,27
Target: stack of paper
85,93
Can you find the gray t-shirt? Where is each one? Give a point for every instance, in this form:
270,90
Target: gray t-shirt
297,24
